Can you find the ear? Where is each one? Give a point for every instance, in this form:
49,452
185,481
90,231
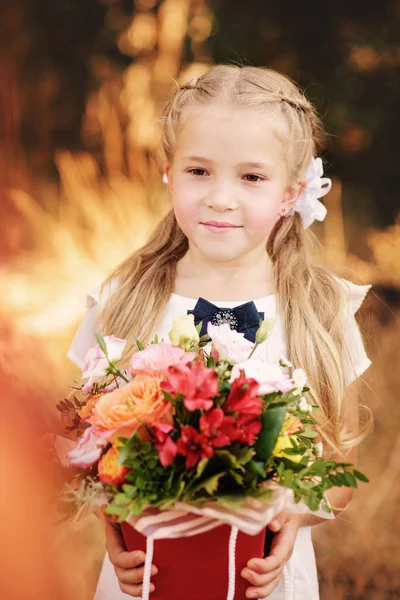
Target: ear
168,173
291,195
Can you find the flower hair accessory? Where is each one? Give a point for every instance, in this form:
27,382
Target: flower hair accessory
308,205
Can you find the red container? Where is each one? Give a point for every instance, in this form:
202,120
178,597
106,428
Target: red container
196,567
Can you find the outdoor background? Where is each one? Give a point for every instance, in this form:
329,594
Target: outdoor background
81,87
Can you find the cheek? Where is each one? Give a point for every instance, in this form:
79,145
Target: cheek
186,204
262,216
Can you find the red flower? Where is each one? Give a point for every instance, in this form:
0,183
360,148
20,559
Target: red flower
247,430
243,398
197,383
217,427
167,449
194,445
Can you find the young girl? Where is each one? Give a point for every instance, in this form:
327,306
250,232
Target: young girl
239,146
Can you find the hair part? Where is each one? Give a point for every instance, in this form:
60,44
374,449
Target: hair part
310,299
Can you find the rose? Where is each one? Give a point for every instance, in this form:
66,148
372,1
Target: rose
184,332
125,409
96,362
157,358
229,344
269,376
87,450
110,471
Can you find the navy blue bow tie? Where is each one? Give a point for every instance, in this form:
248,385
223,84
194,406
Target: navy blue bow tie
244,318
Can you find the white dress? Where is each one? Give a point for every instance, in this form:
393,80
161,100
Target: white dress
301,581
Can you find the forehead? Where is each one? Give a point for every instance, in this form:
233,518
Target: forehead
220,132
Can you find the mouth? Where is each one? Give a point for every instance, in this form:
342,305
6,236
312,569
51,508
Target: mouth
220,225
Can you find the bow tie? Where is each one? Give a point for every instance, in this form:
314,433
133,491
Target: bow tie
244,318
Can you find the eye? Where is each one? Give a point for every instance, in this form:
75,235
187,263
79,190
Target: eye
197,172
256,178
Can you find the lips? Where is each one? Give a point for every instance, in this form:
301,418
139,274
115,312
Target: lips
220,224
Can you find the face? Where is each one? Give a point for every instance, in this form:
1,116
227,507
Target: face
228,180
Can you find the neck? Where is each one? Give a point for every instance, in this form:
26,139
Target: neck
243,278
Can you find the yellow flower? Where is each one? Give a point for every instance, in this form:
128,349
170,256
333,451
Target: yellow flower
282,444
109,470
184,332
291,425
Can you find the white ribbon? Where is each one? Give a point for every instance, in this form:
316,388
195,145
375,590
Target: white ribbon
308,205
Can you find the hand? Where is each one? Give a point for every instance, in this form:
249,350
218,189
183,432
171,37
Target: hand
128,566
265,573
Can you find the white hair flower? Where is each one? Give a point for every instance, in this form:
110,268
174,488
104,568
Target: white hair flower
308,205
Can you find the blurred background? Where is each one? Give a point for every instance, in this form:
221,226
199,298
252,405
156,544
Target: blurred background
81,88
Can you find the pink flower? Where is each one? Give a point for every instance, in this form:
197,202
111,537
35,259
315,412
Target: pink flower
194,445
87,450
270,376
157,358
96,362
243,397
167,449
197,384
229,344
216,426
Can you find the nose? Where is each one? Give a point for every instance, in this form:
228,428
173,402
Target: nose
221,196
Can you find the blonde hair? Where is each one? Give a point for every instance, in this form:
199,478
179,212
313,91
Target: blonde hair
310,299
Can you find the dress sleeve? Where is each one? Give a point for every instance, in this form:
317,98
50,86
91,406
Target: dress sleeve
356,360
84,336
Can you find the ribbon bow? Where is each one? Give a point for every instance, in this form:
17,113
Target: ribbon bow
244,318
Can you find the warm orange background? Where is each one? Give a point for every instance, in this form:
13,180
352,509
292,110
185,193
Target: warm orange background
80,189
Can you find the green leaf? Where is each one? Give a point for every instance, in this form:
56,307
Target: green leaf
350,480
308,433
360,476
101,342
272,420
201,466
245,455
257,466
210,485
139,345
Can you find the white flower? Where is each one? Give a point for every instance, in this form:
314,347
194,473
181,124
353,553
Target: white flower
229,344
96,362
87,450
184,332
299,379
308,205
318,449
284,362
269,376
304,406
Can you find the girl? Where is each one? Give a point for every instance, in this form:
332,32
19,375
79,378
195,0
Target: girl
238,155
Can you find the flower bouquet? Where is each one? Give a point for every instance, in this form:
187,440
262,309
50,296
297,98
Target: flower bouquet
194,448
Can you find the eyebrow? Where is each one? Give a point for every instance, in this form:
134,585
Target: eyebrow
253,165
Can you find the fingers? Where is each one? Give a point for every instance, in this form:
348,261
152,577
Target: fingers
261,579
134,590
133,576
263,591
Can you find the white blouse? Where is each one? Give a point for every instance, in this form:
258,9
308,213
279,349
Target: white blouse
300,581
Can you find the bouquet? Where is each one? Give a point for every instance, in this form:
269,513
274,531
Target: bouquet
195,439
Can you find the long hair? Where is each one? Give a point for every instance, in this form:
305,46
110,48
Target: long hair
310,299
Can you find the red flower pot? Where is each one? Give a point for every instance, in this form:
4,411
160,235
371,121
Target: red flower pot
196,567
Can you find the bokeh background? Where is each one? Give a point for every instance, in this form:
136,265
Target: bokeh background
81,88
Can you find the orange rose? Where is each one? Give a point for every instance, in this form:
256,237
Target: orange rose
109,470
86,411
124,409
